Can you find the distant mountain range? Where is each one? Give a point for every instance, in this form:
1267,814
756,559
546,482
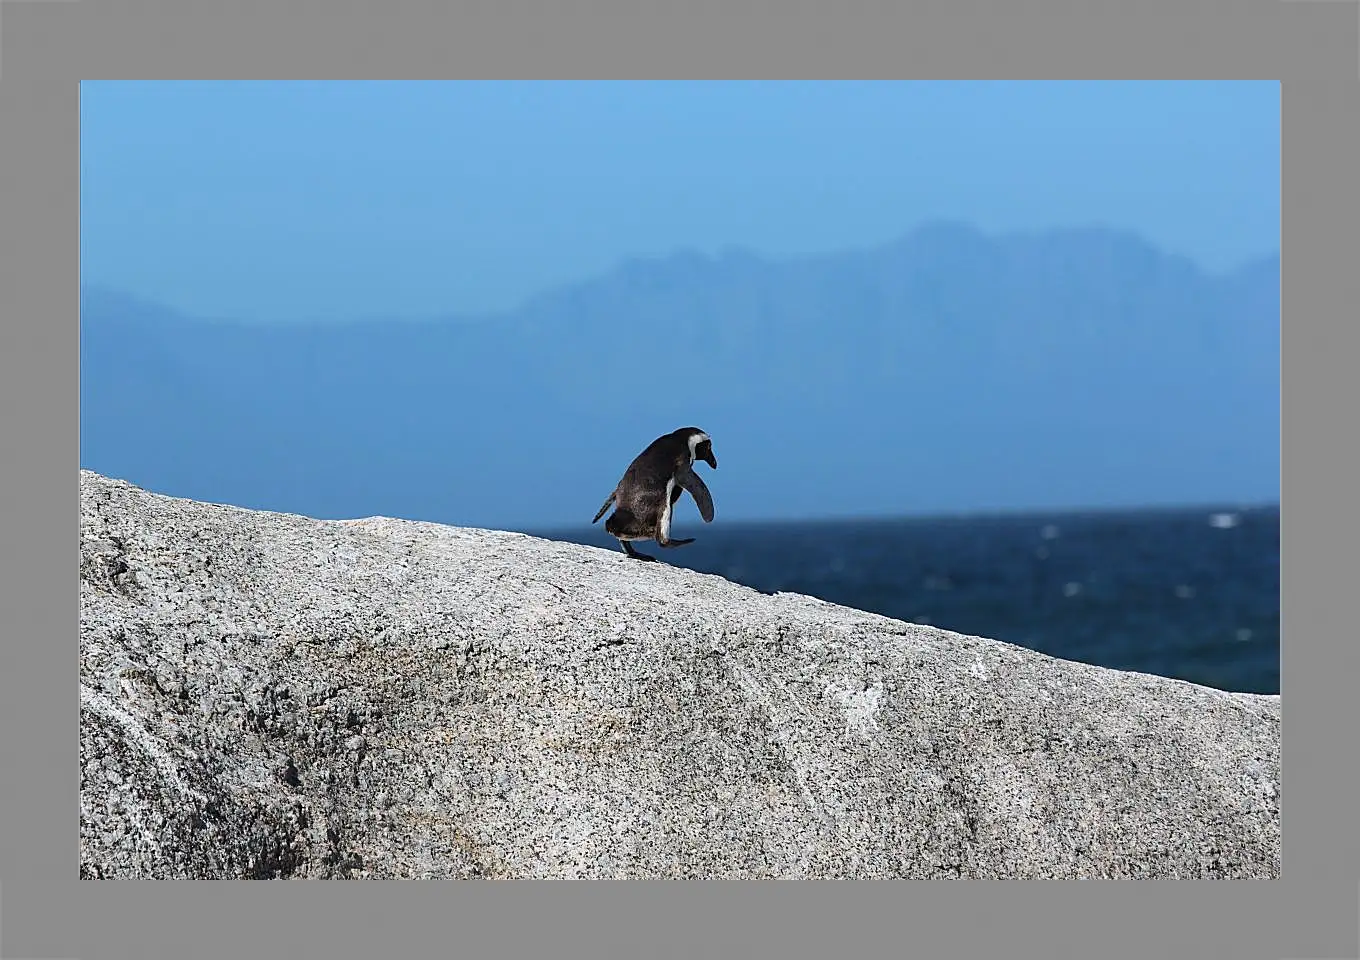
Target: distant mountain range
949,371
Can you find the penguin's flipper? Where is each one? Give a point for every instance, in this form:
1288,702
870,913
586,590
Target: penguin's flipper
692,482
607,503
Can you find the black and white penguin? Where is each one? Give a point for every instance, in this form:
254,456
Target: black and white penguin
653,483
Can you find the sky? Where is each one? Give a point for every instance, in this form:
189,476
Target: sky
315,201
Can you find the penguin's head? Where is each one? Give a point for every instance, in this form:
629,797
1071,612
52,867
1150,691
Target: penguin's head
701,447
704,451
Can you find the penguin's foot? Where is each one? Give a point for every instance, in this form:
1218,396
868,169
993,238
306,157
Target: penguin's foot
628,549
674,543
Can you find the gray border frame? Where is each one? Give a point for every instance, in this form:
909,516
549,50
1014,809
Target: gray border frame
1311,47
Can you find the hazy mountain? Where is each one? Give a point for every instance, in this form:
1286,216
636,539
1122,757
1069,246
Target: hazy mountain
950,370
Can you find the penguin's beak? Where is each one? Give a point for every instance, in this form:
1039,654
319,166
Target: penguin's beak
712,460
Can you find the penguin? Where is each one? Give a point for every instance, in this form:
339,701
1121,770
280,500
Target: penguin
652,484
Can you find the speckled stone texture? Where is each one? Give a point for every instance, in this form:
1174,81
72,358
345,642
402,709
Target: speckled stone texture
266,695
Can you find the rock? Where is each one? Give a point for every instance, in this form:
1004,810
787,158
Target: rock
276,696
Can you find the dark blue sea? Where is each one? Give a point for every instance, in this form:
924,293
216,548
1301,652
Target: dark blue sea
1186,593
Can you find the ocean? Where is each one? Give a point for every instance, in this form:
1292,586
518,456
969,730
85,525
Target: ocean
1185,593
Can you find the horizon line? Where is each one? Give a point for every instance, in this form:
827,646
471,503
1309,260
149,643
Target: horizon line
1209,507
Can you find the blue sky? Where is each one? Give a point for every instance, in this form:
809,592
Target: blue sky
335,200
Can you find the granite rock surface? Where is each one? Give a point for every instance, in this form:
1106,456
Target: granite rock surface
271,696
